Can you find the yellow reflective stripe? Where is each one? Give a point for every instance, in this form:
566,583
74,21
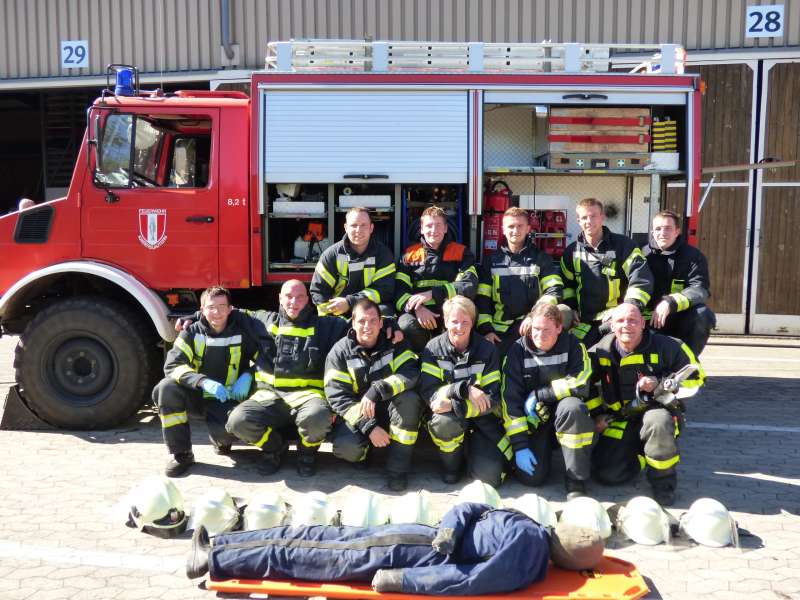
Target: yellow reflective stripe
681,300
451,289
615,406
369,275
431,282
654,359
352,372
560,388
575,440
291,330
402,436
325,274
264,438
308,444
387,270
173,419
504,445
632,359
447,445
593,403
322,310
483,319
566,272
336,375
484,289
398,385
401,302
637,294
604,361
580,330
404,357
613,433
295,399
372,294
180,371
549,281
663,464
515,426
184,347
635,253
353,414
472,410
569,293
264,377
199,343
403,277
488,378
563,387
469,270
233,364
613,292
432,369
270,379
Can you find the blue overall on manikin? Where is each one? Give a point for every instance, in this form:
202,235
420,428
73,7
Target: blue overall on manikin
494,551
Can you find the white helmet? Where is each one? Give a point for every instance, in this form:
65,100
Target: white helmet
215,510
265,509
156,507
480,492
644,521
312,508
709,523
414,507
364,509
587,513
537,508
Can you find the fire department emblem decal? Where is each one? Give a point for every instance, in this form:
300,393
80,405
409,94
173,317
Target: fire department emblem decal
152,227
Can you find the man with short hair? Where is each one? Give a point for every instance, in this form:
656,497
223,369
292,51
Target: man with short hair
357,266
601,270
682,285
289,378
638,432
514,278
545,386
369,383
429,273
207,368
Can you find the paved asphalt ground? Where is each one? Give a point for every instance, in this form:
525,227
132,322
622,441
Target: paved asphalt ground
62,534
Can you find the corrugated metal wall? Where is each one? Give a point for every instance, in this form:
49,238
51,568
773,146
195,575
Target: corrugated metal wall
184,35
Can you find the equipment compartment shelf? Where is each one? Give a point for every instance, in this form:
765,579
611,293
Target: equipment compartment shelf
545,171
274,215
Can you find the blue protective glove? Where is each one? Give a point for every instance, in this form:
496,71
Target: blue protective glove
526,460
215,388
536,411
242,386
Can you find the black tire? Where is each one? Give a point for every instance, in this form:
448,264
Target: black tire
84,363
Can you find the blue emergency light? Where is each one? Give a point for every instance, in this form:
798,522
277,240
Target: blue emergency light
124,85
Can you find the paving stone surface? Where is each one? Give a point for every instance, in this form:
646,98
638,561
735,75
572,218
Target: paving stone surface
62,532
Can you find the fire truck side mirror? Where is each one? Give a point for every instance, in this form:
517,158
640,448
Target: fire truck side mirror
97,142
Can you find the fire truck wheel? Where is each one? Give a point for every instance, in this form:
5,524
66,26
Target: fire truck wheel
83,363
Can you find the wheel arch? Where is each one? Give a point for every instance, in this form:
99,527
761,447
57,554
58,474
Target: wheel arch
75,278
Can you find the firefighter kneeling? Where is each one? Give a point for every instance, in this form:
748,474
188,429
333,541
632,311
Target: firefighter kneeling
639,421
369,383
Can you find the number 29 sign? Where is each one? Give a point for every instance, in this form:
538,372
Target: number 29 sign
74,54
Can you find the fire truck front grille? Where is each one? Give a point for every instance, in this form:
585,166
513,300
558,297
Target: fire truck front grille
33,225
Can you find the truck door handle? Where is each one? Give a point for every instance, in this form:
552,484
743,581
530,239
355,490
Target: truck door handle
584,96
200,219
365,176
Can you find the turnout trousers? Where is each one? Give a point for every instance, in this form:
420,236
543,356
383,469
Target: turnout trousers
630,445
259,419
692,326
481,441
573,429
415,334
175,402
400,417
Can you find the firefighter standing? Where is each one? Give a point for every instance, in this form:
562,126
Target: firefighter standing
460,381
681,285
206,368
430,272
289,380
513,279
357,266
628,362
369,383
600,270
546,379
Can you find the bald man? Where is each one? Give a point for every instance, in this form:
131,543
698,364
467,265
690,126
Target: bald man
289,380
629,362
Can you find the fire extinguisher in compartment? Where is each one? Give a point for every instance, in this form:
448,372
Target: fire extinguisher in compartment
495,203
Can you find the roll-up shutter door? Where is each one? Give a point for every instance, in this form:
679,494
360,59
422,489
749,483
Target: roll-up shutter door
390,136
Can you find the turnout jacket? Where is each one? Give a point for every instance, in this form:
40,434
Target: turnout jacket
680,275
199,353
510,284
596,281
615,376
565,370
342,272
447,371
446,272
351,370
475,550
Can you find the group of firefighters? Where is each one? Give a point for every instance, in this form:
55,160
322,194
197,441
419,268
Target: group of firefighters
498,361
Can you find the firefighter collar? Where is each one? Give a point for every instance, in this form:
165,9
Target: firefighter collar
669,251
558,348
350,251
306,317
604,242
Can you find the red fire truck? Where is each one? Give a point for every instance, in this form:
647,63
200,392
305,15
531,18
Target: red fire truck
174,193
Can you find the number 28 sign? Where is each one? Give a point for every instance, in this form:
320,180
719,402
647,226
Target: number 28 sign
74,54
764,21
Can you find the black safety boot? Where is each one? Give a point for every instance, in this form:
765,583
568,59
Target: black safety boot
397,482
307,464
222,449
664,490
197,563
575,488
270,463
179,464
451,477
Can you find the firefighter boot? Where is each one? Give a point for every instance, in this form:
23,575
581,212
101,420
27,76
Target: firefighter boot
664,489
197,563
575,488
179,464
307,462
452,465
271,461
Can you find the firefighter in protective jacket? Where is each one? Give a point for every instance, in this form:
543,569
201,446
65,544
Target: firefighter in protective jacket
460,382
601,270
358,266
545,384
208,367
369,383
628,364
429,273
512,280
289,379
681,287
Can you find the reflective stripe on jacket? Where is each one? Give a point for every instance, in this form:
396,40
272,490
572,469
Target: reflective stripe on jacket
680,275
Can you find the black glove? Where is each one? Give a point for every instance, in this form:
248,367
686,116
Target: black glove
388,580
444,542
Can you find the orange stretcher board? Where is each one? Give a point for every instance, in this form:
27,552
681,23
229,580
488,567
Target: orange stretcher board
613,579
